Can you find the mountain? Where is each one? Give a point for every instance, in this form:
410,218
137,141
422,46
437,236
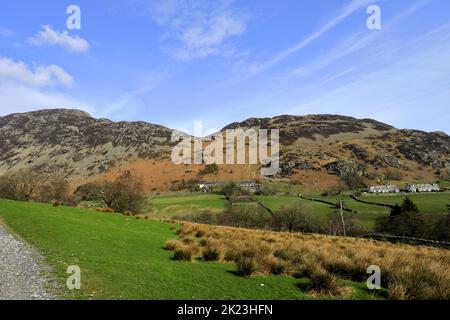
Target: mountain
73,143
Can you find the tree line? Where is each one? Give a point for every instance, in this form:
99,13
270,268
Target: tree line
123,194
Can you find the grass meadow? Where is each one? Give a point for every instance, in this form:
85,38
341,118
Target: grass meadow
124,258
169,205
432,203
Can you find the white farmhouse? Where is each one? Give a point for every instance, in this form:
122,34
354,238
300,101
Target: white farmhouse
387,188
422,187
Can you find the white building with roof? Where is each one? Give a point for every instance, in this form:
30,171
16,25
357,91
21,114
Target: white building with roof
386,188
424,187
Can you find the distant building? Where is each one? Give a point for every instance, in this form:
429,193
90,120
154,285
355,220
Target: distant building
248,185
208,186
387,188
426,187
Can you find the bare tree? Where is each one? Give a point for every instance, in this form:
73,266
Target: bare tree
20,185
126,193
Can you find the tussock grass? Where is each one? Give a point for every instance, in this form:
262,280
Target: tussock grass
171,244
211,254
183,253
245,266
408,272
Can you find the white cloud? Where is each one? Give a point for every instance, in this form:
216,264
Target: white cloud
20,98
200,28
25,88
51,37
40,76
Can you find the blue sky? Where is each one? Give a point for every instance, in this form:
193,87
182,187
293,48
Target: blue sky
173,62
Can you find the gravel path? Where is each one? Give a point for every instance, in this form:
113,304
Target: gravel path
20,274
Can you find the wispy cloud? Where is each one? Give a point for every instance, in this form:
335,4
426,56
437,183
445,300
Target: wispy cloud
200,28
257,67
50,37
24,87
20,98
409,90
355,43
39,76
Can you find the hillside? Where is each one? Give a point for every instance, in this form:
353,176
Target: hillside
73,143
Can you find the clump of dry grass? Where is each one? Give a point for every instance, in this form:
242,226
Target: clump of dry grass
245,266
276,266
172,244
211,254
322,282
407,272
183,253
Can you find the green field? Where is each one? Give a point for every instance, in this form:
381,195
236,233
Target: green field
366,213
169,205
426,202
123,258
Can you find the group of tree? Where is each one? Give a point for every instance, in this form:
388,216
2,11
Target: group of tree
295,218
123,194
26,185
406,220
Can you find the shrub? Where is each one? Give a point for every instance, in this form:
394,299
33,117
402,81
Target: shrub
53,189
20,186
231,255
183,254
248,253
126,193
171,245
56,203
397,291
285,254
245,266
91,191
441,229
199,233
277,267
188,240
324,283
353,227
303,271
211,254
295,218
203,242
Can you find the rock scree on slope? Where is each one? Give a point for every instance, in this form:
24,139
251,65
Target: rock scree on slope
20,274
